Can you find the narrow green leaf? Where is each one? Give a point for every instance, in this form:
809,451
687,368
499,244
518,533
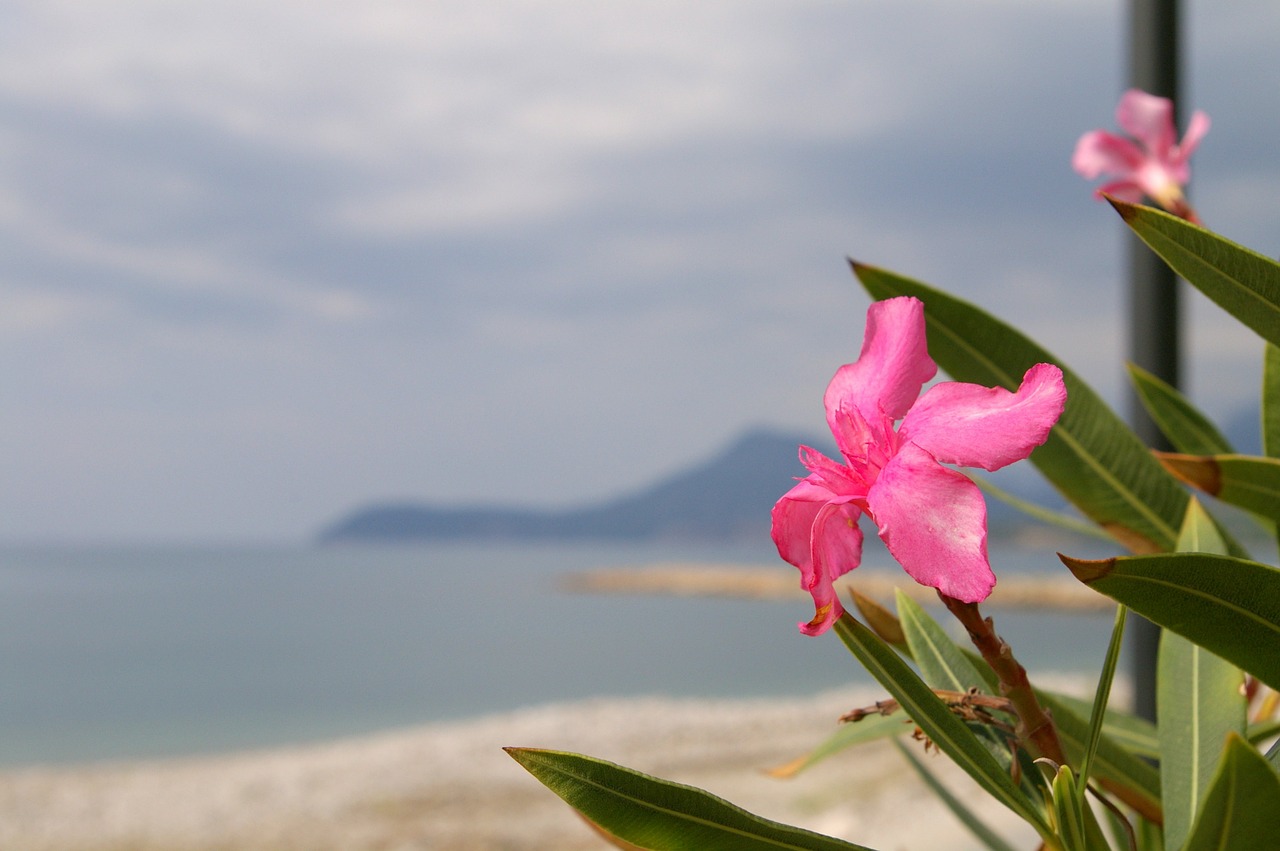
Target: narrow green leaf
945,666
951,735
1241,810
1116,767
942,664
1150,836
870,729
1091,456
658,814
1262,731
1250,482
1070,522
1199,534
976,826
1271,407
1133,734
1101,696
1127,740
1188,429
1077,824
1199,701
1068,808
1271,401
1230,606
1244,283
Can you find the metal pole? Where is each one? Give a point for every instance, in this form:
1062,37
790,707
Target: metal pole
1154,315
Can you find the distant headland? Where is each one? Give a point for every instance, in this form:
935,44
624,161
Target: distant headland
726,498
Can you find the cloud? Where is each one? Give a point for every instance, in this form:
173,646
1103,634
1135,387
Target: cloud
264,261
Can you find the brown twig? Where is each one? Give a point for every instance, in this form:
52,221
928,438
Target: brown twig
1035,726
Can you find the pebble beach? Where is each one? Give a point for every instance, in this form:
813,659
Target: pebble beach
450,787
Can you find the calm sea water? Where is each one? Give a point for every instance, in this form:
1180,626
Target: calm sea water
140,652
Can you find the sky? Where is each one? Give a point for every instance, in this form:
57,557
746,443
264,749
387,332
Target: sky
262,263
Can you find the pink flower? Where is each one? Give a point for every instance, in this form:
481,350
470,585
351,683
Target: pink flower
1152,163
932,518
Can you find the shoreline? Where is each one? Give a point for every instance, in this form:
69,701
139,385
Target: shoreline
448,786
702,579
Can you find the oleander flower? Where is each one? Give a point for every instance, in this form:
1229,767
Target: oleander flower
1152,162
932,518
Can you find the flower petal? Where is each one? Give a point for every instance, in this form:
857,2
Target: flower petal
837,549
1149,119
835,477
1196,130
1099,152
818,532
934,522
987,427
793,517
893,366
1122,190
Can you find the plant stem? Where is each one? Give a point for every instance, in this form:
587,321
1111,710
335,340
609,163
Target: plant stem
1035,726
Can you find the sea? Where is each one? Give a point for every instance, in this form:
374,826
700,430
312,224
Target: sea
137,652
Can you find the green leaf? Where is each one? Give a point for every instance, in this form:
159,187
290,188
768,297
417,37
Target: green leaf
1228,605
951,735
1076,824
658,814
1102,696
869,729
1091,456
1271,401
1062,520
1246,481
1133,734
942,664
1261,731
1244,283
976,826
1199,534
1187,428
1270,404
945,666
1199,701
1241,810
1134,780
1125,741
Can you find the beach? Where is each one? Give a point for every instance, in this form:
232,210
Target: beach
450,787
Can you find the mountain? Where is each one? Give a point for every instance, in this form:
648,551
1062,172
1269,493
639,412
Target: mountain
726,498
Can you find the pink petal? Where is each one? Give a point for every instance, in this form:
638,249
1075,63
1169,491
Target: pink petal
1123,190
1196,130
821,538
793,517
987,427
837,549
934,522
1100,152
1149,119
893,366
837,478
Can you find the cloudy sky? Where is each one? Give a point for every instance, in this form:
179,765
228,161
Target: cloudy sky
263,262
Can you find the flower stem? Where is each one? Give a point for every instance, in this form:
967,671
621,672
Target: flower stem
1035,726
1183,210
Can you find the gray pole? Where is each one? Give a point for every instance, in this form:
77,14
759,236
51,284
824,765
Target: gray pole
1154,322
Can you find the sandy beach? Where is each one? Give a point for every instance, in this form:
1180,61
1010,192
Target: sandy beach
449,787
